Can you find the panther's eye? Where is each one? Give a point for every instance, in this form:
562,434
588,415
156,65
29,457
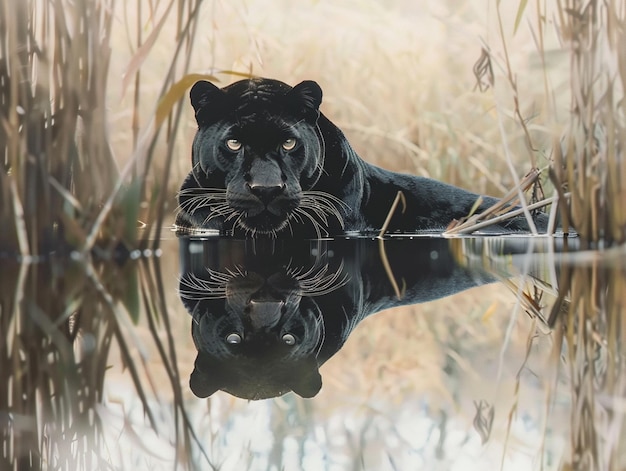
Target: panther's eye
289,339
233,338
289,144
233,144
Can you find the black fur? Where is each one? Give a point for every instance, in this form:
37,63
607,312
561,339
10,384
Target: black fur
316,290
320,187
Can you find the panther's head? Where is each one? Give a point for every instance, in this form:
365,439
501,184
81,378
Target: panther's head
256,156
257,335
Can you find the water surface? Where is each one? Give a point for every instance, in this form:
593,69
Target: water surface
408,353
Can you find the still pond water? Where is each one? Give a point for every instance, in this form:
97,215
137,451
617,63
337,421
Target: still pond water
213,353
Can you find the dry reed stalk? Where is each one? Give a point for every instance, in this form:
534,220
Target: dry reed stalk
381,245
59,180
591,326
51,387
59,186
582,308
55,353
502,210
53,69
589,160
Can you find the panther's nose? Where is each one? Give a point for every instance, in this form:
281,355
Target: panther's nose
265,314
266,193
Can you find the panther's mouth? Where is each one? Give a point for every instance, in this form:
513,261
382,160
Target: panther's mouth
264,222
314,210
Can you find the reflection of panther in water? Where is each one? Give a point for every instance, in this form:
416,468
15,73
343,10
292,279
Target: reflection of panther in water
268,335
263,325
267,162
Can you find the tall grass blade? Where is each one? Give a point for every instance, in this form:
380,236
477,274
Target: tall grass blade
144,50
520,14
175,93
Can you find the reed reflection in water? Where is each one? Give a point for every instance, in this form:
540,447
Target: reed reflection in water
97,357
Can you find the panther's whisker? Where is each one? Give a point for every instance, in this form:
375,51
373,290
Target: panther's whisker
333,210
221,213
195,204
186,191
212,215
321,327
218,275
189,203
195,288
289,226
322,202
317,281
296,217
238,222
234,213
327,196
222,210
316,225
321,214
236,271
192,200
193,295
199,201
317,209
302,275
207,219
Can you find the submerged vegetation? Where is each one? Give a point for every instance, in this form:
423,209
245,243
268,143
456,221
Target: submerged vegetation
579,303
93,135
66,321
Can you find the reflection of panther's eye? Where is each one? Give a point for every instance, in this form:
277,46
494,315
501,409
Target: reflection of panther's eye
233,144
233,338
289,144
289,339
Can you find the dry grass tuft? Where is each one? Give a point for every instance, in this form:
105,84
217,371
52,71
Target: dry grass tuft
588,318
55,351
577,301
589,159
90,142
56,162
61,183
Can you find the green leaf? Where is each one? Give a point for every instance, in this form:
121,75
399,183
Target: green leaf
131,294
520,13
129,199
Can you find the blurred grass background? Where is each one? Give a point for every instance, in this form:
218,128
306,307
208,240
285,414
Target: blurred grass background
398,78
473,93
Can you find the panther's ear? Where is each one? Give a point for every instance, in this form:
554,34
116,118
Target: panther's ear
306,98
207,100
308,384
204,383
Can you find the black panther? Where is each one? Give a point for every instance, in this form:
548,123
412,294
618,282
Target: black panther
268,313
267,162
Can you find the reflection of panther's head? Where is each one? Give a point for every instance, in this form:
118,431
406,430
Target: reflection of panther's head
257,154
257,336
